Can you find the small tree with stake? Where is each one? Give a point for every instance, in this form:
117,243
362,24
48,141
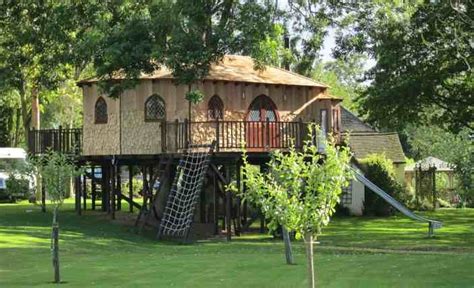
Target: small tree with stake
300,190
56,170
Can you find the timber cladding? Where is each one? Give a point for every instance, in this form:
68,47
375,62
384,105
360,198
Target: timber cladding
127,132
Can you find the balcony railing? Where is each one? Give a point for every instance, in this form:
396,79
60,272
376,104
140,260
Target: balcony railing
230,136
67,141
233,135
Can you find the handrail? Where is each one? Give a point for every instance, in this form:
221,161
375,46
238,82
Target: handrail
234,134
176,136
67,141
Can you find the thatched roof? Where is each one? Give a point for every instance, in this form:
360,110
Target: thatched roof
365,143
235,68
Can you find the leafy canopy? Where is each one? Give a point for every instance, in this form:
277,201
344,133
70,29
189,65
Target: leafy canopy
186,36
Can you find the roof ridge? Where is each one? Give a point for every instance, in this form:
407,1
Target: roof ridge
282,69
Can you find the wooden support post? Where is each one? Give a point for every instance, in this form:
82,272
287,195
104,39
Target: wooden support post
245,208
43,196
93,191
216,204
238,228
84,192
77,193
113,190
119,189
228,210
105,188
130,187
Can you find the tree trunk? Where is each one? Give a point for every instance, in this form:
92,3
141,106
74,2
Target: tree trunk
308,239
55,246
35,109
288,250
16,140
24,111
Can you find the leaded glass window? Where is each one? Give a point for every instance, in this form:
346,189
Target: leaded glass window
262,109
215,108
100,112
155,108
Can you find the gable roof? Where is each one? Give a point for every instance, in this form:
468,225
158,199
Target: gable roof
431,161
365,143
352,123
236,68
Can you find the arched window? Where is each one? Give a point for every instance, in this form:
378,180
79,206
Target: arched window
100,112
262,108
215,108
155,108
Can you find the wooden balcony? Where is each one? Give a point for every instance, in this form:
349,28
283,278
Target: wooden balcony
67,141
255,136
230,136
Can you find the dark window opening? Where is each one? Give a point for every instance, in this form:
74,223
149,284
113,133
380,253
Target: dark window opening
100,113
215,108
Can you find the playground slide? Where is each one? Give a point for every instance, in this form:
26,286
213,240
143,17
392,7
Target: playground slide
432,224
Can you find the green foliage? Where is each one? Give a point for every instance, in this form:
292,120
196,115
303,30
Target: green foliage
194,96
338,77
301,188
379,169
56,170
137,187
186,36
423,72
457,149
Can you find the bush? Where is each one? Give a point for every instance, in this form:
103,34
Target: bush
380,171
137,187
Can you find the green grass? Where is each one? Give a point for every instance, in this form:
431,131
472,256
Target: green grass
354,252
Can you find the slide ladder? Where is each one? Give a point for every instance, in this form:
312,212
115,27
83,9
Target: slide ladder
432,224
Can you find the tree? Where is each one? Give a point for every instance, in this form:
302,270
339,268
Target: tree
56,170
423,72
42,44
186,36
300,190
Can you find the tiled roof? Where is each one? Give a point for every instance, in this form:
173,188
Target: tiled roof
351,123
237,68
364,143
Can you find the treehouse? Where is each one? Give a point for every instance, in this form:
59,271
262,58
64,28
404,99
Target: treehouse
153,124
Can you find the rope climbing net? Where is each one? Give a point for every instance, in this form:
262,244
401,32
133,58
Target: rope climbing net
184,194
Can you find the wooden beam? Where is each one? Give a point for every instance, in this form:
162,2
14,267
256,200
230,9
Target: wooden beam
113,191
119,189
130,187
84,192
228,210
93,191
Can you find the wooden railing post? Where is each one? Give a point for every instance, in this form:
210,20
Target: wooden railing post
187,133
217,135
176,136
267,128
301,133
163,131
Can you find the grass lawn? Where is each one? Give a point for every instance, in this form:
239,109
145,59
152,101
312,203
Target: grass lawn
354,252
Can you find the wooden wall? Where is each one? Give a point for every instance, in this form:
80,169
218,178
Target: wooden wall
128,133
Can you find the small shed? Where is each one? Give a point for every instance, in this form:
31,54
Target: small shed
427,163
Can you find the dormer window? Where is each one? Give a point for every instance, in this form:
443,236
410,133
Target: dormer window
215,108
100,112
155,108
